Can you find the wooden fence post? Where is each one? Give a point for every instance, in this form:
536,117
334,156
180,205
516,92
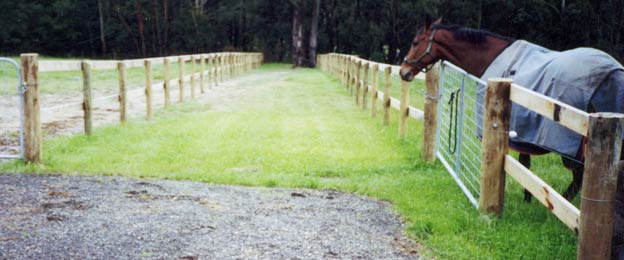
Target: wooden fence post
345,64
148,89
333,64
225,66
250,62
386,98
235,65
123,102
239,66
365,86
166,84
32,116
358,77
232,66
353,76
341,69
220,68
213,70
404,111
374,95
202,68
224,70
87,108
181,77
494,145
192,76
602,163
432,80
349,75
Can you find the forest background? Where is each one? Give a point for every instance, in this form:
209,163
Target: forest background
291,30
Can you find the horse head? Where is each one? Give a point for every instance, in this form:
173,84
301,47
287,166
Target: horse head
422,54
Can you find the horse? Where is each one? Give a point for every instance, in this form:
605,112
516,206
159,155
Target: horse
486,54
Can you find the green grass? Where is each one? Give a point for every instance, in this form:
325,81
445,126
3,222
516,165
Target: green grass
304,131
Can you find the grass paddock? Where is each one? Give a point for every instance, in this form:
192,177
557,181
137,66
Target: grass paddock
301,129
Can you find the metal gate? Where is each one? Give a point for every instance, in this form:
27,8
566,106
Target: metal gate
11,110
459,134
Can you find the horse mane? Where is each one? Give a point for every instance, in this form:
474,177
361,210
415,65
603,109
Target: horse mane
470,35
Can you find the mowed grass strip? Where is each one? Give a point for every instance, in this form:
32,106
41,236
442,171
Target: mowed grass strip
300,128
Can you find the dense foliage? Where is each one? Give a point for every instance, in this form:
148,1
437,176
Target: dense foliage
370,28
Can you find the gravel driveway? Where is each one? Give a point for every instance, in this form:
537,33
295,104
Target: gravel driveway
81,217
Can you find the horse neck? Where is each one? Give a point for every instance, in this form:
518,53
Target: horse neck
471,57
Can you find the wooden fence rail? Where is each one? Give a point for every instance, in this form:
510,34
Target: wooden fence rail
31,66
593,223
355,73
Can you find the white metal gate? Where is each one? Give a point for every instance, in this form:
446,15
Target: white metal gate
459,135
11,110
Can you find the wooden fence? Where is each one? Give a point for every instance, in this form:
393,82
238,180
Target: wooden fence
221,66
593,223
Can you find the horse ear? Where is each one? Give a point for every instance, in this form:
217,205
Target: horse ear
427,21
439,21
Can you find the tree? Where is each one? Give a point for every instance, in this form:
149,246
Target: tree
140,26
297,33
372,29
314,33
305,32
101,19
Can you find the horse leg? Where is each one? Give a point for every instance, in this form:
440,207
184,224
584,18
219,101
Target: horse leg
577,178
525,160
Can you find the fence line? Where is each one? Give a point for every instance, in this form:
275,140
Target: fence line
593,222
231,63
355,72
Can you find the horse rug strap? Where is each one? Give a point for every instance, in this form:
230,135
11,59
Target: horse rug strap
572,76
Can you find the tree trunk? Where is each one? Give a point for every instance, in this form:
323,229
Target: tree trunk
314,33
102,35
156,28
195,11
165,46
127,26
297,35
330,12
141,27
242,26
394,33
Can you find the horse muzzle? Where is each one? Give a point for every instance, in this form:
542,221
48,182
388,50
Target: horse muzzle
406,74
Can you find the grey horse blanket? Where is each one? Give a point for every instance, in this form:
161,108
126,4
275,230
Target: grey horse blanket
581,77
